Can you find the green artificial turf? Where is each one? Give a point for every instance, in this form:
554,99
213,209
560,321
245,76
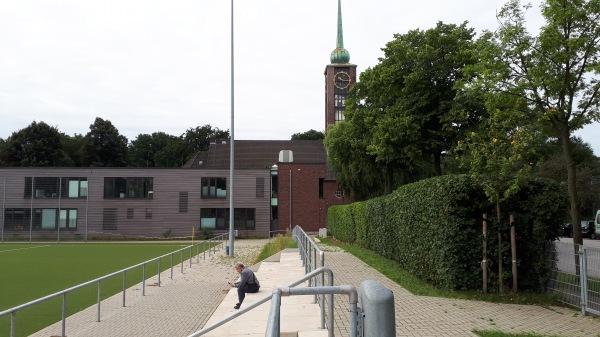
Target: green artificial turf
32,271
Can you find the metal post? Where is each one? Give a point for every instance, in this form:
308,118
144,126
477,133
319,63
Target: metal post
3,208
124,285
144,279
158,272
583,278
231,146
64,315
171,266
99,301
59,205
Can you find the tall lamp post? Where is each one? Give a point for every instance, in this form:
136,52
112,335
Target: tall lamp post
231,155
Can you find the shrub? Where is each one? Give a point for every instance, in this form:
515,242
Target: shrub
434,229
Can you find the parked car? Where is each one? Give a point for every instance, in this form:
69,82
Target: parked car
588,229
568,230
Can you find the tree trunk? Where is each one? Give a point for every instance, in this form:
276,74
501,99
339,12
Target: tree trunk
572,188
513,246
500,283
484,261
572,191
437,164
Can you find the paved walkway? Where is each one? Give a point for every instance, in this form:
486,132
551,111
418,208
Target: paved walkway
186,303
433,317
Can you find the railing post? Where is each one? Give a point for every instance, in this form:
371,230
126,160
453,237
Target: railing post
64,315
144,279
124,285
321,283
99,301
171,266
158,272
583,278
182,261
13,322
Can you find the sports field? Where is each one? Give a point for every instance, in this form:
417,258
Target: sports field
31,271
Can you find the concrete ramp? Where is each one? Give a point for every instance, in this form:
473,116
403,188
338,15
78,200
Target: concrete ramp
299,315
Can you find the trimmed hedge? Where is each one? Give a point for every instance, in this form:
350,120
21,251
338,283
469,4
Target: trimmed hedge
434,229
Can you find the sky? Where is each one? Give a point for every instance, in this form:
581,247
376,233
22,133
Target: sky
159,65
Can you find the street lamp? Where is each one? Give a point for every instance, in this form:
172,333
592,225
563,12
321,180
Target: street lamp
231,155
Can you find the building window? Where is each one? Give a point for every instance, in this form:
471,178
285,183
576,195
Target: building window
53,187
148,213
218,218
339,115
68,219
42,187
109,219
40,218
214,188
260,187
339,193
75,187
340,100
135,187
17,218
183,202
321,187
130,213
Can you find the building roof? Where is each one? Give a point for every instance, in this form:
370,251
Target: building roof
258,154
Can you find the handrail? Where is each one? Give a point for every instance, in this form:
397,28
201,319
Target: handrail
309,251
317,272
13,311
273,324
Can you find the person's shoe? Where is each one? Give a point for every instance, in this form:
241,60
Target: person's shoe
237,306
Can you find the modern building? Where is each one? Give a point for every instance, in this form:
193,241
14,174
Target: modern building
278,184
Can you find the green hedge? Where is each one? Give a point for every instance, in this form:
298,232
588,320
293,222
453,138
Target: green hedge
434,229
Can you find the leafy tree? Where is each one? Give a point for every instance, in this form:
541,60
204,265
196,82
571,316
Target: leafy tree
36,145
144,149
399,112
356,171
73,147
556,72
199,138
175,154
309,135
496,156
415,89
587,166
104,146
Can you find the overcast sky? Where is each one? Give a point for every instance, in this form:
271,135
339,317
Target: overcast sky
158,65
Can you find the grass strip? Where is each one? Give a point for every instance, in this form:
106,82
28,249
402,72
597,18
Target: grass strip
274,246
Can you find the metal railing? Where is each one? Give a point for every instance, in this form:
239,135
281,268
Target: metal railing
575,276
216,242
313,274
313,258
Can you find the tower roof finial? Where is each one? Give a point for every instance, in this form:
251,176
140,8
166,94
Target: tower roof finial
340,55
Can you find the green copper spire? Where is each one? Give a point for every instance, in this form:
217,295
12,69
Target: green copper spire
340,55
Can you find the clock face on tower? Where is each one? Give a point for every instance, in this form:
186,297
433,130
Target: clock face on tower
341,80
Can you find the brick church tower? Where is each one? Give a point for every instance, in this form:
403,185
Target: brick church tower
340,75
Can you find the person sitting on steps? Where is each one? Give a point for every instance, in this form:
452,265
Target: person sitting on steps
248,283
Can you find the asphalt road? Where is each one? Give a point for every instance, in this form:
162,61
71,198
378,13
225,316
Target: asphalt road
586,242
